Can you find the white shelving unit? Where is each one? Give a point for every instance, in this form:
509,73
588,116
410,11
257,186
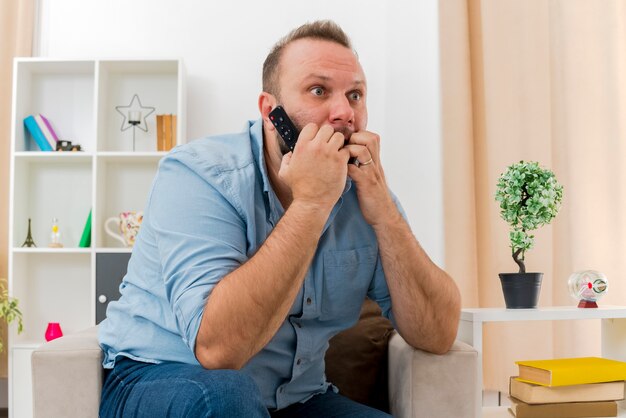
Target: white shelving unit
613,320
107,177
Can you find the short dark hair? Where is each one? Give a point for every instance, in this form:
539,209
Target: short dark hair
325,30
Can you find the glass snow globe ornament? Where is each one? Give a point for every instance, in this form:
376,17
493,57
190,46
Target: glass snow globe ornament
55,235
587,287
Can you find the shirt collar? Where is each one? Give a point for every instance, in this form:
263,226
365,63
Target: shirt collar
256,135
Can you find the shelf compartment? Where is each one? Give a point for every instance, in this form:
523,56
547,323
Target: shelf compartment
116,193
44,283
64,92
155,82
47,188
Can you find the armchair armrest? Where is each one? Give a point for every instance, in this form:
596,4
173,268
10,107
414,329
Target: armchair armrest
424,385
67,376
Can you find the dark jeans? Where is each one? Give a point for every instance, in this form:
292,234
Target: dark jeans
135,389
329,404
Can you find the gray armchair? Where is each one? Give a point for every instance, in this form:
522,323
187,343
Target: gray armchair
67,379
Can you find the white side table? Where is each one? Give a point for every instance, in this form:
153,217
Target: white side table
613,328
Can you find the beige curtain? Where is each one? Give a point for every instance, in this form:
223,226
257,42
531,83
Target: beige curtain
541,80
16,36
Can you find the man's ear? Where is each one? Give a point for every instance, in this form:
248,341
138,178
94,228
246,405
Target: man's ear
267,102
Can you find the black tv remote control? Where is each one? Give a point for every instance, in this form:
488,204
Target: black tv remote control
285,127
288,131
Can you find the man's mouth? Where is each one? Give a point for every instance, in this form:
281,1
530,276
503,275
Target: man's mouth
346,131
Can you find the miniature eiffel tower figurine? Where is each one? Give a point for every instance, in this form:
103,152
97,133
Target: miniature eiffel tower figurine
29,238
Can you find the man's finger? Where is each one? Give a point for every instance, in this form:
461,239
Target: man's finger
360,152
308,132
337,140
325,133
365,138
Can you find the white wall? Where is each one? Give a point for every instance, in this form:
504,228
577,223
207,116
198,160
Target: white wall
223,45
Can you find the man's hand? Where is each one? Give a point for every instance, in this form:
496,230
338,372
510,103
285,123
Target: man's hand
374,197
316,171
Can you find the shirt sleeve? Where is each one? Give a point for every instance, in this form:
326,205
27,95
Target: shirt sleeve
378,290
200,239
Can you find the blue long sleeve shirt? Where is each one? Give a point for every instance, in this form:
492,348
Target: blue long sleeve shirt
210,208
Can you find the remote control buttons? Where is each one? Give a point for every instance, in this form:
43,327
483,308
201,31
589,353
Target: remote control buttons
287,134
284,130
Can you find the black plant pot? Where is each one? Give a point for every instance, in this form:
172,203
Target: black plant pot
521,290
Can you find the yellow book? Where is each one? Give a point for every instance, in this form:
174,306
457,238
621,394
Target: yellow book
571,371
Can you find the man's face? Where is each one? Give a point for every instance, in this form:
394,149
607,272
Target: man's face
322,82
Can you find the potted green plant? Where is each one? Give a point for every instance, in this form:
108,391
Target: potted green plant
9,310
529,197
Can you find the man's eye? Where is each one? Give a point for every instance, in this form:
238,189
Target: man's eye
355,95
318,91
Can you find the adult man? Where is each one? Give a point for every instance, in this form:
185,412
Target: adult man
250,258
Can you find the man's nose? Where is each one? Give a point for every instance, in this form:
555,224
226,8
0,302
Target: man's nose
341,111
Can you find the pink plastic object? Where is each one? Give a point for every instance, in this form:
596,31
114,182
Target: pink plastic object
53,331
